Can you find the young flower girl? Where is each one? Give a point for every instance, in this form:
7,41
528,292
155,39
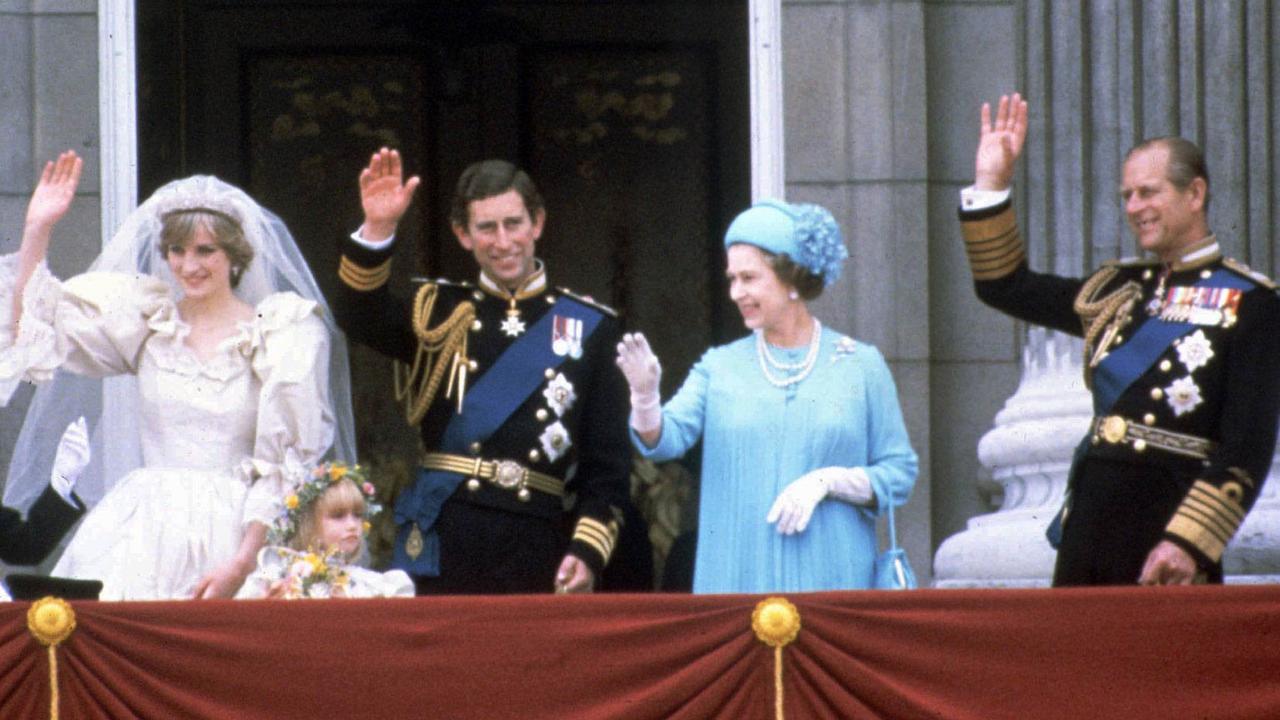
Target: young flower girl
317,542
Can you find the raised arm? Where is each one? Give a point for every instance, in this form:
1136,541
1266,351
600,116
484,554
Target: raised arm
643,371
384,194
1000,143
49,203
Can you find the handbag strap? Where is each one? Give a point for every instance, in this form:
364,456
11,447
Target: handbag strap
893,533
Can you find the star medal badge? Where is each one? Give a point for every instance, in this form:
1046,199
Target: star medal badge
566,336
559,394
513,325
1195,350
1183,395
555,441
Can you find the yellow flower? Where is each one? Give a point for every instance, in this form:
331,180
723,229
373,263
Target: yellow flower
366,525
336,472
291,502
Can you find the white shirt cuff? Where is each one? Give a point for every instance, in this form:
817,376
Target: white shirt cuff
63,487
380,245
972,199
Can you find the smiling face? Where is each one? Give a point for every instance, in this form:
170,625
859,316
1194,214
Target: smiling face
502,235
200,265
1164,219
755,288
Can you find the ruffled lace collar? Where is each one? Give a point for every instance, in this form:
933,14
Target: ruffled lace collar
234,353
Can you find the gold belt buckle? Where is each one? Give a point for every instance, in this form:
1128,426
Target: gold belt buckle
1113,428
508,474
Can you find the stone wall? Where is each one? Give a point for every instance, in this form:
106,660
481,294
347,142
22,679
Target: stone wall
48,103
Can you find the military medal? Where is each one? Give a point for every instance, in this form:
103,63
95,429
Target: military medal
555,441
1157,298
413,543
1208,306
1195,351
513,325
1183,395
566,336
559,394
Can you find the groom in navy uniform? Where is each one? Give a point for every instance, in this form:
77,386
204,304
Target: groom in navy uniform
512,383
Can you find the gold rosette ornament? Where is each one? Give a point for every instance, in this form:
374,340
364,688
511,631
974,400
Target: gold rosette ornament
776,623
51,621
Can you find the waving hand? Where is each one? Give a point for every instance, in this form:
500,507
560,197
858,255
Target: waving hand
1000,143
49,203
54,192
384,194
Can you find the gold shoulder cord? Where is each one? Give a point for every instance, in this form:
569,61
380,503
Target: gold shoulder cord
417,385
1103,316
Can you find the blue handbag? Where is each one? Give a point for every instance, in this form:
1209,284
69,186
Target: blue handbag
893,571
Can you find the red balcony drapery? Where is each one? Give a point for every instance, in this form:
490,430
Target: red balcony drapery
956,654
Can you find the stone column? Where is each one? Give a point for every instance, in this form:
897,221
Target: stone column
1028,454
856,116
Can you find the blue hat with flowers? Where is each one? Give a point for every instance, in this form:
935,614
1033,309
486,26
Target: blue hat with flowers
806,233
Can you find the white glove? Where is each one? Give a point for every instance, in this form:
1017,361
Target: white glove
643,371
71,459
795,504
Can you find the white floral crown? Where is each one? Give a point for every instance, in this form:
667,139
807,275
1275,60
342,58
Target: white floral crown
301,501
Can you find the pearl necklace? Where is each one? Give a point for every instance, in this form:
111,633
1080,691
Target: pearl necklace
804,367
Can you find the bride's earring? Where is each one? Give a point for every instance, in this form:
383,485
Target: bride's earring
793,295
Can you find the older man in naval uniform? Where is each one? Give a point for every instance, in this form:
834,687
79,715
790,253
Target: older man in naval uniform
1180,356
512,383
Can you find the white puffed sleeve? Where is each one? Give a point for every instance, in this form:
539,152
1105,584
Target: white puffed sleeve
295,415
93,324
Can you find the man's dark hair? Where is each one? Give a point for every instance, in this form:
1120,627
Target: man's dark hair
1186,161
486,179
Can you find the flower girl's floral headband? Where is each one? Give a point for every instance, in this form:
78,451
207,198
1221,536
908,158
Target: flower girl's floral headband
301,501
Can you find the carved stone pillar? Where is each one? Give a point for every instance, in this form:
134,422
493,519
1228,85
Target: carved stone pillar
1028,454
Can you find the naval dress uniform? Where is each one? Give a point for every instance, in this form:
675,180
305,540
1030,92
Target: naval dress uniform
523,418
1181,360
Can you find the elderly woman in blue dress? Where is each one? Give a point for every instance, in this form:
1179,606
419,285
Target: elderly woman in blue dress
803,439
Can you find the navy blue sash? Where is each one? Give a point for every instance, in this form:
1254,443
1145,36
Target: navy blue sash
1120,368
516,375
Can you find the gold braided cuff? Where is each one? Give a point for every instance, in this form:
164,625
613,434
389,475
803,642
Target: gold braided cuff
361,278
993,244
1207,519
598,536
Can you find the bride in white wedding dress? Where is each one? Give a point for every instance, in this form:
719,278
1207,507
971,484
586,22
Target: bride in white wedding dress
225,379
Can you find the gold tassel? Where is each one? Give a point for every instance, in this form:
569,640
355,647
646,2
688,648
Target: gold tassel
51,621
418,384
1102,317
776,623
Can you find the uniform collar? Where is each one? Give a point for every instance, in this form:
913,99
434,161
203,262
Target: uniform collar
533,285
1202,253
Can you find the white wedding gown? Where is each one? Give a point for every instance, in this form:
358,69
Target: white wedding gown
221,437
